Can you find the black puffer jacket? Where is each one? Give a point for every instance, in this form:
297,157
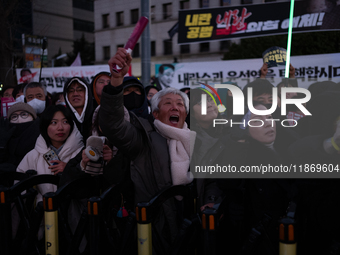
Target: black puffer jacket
251,199
21,142
150,161
318,204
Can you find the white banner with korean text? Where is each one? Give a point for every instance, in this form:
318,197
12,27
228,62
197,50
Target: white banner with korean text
55,77
308,69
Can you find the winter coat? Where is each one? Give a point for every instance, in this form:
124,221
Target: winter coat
84,123
250,199
34,159
114,171
21,142
203,155
150,161
318,210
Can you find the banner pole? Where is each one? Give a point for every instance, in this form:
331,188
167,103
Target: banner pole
289,41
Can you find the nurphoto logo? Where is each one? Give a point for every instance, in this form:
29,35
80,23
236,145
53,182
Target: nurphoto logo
238,104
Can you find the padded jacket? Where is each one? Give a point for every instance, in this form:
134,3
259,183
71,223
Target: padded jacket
150,161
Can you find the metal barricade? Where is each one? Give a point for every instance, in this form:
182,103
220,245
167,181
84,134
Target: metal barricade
145,213
51,224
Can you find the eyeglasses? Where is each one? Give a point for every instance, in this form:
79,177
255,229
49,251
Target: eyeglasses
78,89
23,115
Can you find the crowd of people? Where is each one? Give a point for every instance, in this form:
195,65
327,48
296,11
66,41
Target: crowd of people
146,137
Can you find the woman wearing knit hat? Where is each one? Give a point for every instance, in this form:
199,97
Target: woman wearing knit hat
18,135
21,113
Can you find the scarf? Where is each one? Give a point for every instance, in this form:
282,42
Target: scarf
180,142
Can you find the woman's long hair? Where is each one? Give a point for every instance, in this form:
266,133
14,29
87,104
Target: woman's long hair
47,116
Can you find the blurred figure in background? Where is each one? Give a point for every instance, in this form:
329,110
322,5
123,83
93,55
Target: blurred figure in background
58,98
150,91
36,96
18,92
98,82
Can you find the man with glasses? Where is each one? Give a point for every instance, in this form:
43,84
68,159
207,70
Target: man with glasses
78,97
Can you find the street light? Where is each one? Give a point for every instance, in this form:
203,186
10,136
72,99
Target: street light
59,57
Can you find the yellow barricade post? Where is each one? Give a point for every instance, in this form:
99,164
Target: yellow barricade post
144,233
287,236
94,211
5,221
209,226
51,224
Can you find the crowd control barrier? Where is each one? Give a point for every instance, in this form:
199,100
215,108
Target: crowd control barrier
287,232
6,181
19,200
102,235
146,212
59,238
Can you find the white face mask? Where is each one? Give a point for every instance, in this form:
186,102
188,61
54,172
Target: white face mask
60,103
38,105
21,120
20,99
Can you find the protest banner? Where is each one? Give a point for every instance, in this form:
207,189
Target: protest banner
308,69
209,24
55,77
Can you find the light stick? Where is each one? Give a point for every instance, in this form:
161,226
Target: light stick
289,41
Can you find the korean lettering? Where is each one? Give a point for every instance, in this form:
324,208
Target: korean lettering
218,77
202,19
186,78
206,32
270,25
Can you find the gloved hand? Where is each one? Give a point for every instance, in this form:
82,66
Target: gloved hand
6,132
332,145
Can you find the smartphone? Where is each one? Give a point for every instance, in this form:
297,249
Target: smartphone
51,155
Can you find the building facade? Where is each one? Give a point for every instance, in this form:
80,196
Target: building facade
115,20
62,22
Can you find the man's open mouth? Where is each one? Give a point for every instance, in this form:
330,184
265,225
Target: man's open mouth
174,119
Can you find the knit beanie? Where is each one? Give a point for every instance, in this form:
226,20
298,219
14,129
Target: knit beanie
20,106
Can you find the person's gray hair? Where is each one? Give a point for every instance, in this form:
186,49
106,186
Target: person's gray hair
35,85
158,97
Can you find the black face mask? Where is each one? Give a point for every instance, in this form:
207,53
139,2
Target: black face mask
20,127
133,101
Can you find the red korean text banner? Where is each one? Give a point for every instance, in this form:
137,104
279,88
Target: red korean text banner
255,20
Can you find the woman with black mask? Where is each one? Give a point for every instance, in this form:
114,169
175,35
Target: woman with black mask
18,135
